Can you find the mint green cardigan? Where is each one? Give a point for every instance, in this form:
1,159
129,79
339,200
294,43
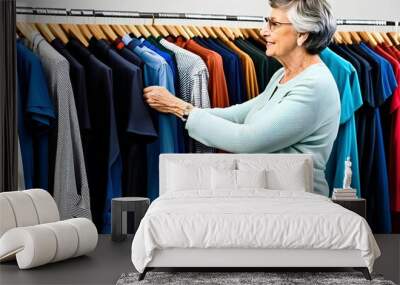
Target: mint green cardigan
301,117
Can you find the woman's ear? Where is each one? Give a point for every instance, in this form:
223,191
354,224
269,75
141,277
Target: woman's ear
301,38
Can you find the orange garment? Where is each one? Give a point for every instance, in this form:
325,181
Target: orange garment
217,87
249,70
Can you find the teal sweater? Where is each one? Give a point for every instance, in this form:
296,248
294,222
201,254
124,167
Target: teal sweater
301,117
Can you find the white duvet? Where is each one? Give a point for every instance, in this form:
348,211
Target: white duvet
250,219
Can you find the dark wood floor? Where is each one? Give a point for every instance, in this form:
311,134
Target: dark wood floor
111,259
103,266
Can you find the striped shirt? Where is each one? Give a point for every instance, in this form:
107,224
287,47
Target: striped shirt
193,82
69,166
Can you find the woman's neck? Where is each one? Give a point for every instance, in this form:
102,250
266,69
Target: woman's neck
296,62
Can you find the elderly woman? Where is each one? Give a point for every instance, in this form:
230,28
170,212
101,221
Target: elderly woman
299,110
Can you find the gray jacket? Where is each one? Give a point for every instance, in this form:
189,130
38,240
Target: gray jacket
69,167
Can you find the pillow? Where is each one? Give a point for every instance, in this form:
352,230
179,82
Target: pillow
188,178
188,175
281,174
251,178
237,179
291,180
223,179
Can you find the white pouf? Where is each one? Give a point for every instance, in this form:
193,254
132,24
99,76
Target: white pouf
31,232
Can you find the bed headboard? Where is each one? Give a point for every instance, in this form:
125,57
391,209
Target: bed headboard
300,166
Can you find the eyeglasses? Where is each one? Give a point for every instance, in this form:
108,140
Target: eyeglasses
273,25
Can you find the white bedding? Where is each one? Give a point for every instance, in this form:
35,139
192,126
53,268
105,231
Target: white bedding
250,218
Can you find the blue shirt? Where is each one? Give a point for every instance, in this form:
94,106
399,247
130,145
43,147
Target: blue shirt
346,141
35,117
156,72
103,122
172,64
161,53
374,178
117,64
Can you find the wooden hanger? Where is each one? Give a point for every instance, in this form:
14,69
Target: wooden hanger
85,31
102,35
211,32
367,37
199,33
346,37
237,32
118,30
32,26
338,38
125,29
377,36
111,35
363,36
253,34
195,32
387,40
220,34
132,29
58,32
395,37
97,32
188,31
153,31
355,37
162,30
94,31
182,32
172,31
203,31
75,29
75,32
24,29
228,32
143,31
258,33
245,33
45,31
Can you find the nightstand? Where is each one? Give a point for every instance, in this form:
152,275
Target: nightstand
358,206
120,207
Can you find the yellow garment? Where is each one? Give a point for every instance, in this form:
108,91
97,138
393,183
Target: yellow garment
249,70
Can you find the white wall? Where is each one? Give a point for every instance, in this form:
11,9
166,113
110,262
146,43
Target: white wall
349,9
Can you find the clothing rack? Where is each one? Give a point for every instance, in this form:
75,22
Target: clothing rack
131,14
161,15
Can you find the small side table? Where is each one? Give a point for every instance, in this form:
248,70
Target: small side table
119,209
358,206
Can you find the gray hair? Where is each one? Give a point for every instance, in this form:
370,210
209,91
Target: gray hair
313,17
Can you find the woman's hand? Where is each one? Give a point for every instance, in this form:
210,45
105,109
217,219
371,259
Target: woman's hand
163,101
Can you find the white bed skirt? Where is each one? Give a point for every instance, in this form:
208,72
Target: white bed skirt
193,257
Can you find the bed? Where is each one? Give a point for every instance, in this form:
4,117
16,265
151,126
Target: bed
247,211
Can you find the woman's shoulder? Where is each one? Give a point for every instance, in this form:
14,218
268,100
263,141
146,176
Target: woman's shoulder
318,77
315,79
317,85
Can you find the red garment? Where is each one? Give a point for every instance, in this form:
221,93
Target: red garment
217,87
171,39
394,148
392,51
396,52
180,42
118,44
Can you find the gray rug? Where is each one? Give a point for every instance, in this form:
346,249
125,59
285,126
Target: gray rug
243,278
